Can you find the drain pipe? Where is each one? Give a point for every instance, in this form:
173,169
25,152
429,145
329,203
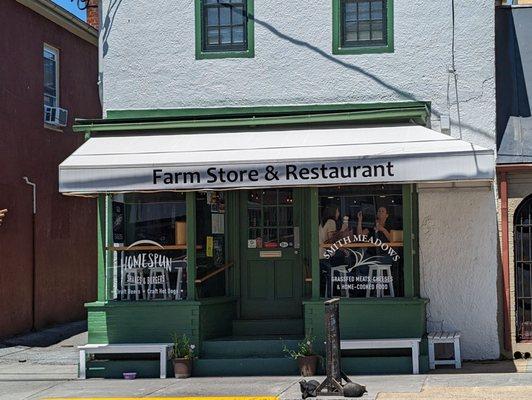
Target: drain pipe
34,189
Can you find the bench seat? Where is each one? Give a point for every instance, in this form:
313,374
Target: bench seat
361,344
123,348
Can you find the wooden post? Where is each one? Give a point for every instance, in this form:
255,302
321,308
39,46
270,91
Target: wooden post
333,382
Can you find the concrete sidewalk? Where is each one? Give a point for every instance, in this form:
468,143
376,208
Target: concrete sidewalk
31,372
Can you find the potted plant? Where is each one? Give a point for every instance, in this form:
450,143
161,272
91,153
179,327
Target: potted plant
182,356
306,359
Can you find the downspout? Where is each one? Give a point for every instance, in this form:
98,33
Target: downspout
33,296
503,177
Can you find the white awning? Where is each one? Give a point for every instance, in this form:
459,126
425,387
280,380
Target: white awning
258,158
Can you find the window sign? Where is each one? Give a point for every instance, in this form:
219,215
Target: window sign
149,247
361,241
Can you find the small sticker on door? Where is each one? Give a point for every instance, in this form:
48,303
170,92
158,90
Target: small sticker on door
252,244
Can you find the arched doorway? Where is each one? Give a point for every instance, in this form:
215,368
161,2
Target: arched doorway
523,269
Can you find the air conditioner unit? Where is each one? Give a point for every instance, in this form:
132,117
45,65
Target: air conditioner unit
55,116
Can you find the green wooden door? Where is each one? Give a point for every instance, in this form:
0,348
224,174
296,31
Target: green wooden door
271,268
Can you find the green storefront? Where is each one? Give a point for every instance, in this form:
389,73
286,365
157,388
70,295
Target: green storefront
213,223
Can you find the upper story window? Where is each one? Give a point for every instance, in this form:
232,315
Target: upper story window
362,26
224,28
51,76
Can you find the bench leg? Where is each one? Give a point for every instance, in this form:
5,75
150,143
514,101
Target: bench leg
432,359
162,374
415,358
82,365
457,358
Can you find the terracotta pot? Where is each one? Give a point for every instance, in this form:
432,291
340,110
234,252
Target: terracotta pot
307,365
182,367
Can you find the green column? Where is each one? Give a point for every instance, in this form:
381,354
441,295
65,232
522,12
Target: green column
109,270
314,243
191,245
101,227
408,255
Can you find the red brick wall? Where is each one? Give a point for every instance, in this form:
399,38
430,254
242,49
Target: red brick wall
93,18
65,234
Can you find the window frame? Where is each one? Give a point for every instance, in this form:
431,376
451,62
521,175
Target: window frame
55,51
372,49
249,52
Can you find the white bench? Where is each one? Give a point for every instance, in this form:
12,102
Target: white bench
359,344
126,348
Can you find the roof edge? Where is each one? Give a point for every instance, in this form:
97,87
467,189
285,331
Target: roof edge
63,18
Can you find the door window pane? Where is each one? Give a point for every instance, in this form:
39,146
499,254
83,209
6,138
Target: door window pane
270,218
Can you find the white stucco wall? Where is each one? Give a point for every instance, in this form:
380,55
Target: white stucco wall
458,257
149,60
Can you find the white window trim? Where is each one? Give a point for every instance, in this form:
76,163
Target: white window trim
55,51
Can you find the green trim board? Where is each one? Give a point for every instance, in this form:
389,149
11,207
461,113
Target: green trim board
253,111
408,241
191,245
101,227
371,116
337,47
109,262
314,241
250,34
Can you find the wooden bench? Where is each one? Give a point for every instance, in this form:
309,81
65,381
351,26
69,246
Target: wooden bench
359,344
126,348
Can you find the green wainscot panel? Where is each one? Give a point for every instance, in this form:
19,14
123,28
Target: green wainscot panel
157,321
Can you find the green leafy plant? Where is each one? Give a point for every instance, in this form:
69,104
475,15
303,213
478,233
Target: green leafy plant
182,348
304,348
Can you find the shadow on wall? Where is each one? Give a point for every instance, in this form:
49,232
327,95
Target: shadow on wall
115,4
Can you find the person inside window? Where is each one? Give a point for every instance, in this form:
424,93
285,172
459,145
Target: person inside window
328,234
383,225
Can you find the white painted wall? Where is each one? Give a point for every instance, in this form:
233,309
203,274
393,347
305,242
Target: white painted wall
149,60
458,257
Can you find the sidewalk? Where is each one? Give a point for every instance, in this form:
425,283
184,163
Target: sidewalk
31,372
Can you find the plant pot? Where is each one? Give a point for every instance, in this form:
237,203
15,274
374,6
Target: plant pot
307,365
182,367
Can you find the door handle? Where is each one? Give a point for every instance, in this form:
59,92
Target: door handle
297,242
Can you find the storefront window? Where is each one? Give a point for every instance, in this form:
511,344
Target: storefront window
361,241
210,240
148,253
